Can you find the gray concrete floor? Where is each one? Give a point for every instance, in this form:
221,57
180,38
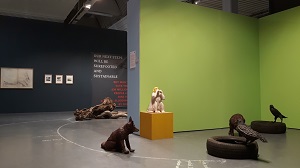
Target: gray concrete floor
55,140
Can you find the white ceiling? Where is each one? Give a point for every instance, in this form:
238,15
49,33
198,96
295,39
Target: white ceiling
51,10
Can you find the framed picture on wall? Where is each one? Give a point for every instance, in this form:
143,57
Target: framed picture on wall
69,79
16,78
48,78
59,79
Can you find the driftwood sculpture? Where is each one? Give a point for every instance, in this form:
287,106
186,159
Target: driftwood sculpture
115,142
156,104
101,111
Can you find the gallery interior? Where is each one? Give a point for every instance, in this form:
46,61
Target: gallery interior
211,58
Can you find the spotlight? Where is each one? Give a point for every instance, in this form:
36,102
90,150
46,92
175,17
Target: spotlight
197,2
88,6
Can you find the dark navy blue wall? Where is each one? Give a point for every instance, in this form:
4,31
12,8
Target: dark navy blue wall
57,49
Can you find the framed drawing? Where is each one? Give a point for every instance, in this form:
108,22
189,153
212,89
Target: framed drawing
59,79
69,79
17,78
48,78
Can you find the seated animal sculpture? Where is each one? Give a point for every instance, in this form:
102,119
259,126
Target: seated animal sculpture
233,122
115,142
156,103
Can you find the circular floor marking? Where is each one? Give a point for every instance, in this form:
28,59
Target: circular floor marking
204,162
187,161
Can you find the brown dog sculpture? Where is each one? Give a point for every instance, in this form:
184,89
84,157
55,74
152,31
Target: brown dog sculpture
115,142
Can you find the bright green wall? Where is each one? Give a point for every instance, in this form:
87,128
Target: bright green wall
280,60
205,60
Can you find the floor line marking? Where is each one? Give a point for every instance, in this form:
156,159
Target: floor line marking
142,157
109,154
74,142
27,122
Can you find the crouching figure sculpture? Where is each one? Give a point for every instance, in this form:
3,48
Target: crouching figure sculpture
115,141
156,103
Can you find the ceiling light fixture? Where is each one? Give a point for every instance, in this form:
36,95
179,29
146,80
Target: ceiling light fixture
99,13
197,2
88,6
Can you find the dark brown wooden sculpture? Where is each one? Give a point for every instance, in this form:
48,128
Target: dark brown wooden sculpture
100,111
115,142
233,122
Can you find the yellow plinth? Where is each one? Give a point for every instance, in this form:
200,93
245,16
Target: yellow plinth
156,125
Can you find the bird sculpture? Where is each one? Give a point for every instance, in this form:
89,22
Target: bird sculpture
276,113
248,133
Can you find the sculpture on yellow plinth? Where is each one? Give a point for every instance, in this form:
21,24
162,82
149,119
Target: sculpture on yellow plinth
156,104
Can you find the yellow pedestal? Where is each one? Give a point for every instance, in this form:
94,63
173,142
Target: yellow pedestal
156,125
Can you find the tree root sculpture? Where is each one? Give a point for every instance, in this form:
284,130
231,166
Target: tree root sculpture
100,111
